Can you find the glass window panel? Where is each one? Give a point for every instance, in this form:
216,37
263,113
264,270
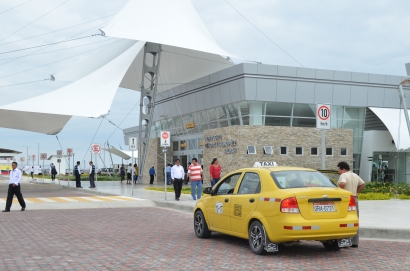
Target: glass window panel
299,122
243,106
223,123
232,110
283,150
304,110
203,116
192,144
357,144
329,151
299,151
221,113
278,109
185,119
245,120
175,146
277,121
337,112
356,113
251,150
268,150
178,122
336,123
343,151
213,124
356,125
201,143
235,121
212,114
313,151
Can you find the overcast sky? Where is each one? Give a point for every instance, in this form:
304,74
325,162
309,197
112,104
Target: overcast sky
363,36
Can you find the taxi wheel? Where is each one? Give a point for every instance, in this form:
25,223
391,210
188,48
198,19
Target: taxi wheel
257,238
331,245
200,226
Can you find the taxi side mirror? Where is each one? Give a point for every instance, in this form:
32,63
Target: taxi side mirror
208,190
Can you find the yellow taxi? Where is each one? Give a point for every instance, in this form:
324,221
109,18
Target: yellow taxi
274,205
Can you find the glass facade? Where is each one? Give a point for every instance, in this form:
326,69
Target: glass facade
264,113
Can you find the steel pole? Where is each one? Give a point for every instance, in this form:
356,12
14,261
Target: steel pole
323,150
165,172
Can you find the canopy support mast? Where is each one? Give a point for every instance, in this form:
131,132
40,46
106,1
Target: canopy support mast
148,92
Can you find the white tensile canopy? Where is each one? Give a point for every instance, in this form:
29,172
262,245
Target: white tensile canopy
395,122
126,155
189,52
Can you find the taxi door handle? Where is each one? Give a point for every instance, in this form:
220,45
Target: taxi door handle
251,200
226,200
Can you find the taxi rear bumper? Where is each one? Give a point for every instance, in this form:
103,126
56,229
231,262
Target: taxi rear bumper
289,227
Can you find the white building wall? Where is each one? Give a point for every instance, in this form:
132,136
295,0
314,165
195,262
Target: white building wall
374,141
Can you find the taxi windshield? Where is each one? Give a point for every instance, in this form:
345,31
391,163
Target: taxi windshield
300,179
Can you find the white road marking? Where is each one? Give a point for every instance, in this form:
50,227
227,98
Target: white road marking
91,199
68,199
46,200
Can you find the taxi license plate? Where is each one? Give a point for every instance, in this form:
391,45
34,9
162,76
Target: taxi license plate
322,207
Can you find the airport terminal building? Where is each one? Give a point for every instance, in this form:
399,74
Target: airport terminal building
257,112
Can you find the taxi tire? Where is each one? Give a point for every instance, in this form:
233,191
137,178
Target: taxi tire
200,227
256,238
331,245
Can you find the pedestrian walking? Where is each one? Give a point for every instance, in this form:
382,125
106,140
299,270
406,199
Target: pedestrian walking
215,171
40,171
14,188
152,174
32,173
129,173
135,173
77,173
92,173
122,172
351,182
53,171
195,176
168,174
177,176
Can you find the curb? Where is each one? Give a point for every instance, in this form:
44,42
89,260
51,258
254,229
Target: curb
94,192
393,234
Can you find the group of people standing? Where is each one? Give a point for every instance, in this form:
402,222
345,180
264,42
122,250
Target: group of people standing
132,173
195,176
77,174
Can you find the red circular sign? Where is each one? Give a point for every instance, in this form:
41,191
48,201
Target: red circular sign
22,159
165,135
33,156
96,148
69,150
323,112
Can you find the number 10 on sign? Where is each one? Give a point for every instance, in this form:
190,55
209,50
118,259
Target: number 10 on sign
323,116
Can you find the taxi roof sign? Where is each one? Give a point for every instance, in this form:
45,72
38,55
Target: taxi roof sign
265,164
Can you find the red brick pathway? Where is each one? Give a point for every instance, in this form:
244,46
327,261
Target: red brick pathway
159,239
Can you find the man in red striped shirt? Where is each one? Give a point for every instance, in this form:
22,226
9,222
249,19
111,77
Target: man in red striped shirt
195,175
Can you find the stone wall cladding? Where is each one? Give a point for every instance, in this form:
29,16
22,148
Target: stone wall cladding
155,157
275,136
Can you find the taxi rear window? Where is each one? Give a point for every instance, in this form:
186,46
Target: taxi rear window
300,179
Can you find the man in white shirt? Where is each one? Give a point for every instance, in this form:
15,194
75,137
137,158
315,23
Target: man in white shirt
92,172
14,188
177,176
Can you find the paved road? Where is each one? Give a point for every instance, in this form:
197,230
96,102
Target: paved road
160,239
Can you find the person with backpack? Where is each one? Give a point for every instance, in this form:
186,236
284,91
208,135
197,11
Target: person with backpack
77,173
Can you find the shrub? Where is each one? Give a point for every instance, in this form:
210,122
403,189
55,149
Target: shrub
375,196
375,187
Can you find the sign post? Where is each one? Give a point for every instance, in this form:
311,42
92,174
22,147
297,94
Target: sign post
69,152
43,156
96,149
133,147
59,156
323,123
34,157
165,142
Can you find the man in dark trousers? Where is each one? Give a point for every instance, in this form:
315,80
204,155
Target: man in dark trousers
92,172
77,173
14,188
177,176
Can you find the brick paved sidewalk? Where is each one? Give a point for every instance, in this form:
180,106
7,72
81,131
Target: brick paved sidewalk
160,239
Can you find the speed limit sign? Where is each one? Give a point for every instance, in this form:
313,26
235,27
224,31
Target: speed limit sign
323,116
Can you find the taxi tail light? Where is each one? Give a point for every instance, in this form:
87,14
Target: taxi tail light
352,204
289,205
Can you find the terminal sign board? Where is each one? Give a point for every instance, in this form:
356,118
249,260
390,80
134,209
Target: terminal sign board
323,116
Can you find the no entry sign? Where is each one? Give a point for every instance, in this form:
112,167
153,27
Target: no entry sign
323,112
95,148
22,159
43,156
165,139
